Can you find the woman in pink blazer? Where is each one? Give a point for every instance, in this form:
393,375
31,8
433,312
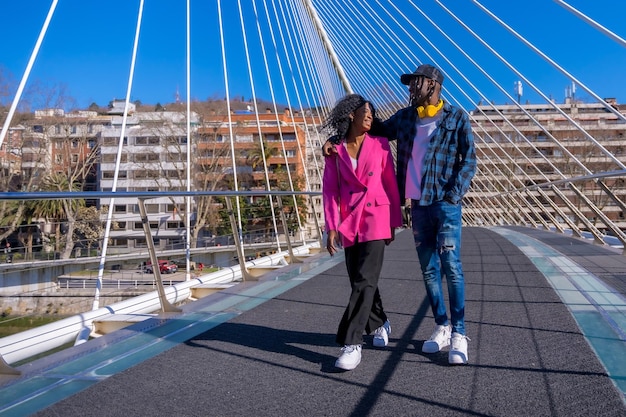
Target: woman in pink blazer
361,210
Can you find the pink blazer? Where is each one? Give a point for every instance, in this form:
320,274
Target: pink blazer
365,202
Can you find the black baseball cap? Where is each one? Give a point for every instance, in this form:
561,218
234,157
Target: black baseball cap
425,70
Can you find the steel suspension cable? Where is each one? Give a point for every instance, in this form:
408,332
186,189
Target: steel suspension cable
256,110
29,66
537,90
118,159
592,22
189,145
230,119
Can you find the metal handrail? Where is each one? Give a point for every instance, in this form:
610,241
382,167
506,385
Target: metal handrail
26,344
552,186
78,328
92,195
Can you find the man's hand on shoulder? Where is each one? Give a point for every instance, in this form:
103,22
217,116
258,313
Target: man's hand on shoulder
329,148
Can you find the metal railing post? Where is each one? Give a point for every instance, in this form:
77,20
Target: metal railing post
283,219
245,275
166,306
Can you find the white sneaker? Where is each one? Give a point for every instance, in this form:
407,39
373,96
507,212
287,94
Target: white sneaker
438,340
458,351
350,357
381,335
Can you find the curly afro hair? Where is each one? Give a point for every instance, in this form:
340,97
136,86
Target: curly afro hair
338,121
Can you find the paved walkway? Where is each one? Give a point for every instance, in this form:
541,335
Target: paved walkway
545,313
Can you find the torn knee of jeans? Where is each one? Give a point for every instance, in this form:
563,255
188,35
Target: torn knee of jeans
446,248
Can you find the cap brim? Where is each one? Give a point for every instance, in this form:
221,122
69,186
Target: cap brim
406,78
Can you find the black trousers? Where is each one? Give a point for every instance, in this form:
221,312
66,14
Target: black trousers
364,312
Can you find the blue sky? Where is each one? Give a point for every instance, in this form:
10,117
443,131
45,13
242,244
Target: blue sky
88,46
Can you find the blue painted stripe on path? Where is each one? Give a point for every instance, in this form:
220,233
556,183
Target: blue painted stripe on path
599,310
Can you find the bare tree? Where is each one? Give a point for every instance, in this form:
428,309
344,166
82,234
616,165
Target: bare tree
89,229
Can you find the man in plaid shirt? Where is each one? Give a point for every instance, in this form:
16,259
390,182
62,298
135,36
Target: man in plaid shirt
435,165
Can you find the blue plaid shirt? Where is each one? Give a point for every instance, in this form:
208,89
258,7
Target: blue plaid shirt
450,160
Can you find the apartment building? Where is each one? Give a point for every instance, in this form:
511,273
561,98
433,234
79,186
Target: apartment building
57,142
287,141
152,158
11,159
518,146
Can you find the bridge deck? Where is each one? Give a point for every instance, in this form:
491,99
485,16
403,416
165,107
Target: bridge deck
267,348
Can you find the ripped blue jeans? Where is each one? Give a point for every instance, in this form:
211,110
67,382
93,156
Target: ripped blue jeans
437,234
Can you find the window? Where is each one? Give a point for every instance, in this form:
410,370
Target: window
111,157
152,208
147,140
141,243
146,157
120,243
107,175
174,225
243,138
176,157
139,225
146,174
112,141
178,140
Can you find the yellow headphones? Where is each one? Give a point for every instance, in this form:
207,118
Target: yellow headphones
430,110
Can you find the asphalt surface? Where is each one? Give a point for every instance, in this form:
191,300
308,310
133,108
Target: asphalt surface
527,354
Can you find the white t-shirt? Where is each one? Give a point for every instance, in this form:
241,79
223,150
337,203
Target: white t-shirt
353,160
425,129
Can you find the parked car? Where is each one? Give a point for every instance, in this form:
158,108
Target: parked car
165,267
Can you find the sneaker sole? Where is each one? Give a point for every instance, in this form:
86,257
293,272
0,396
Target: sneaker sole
379,342
347,367
430,348
456,360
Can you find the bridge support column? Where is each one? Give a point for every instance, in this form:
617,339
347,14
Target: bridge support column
5,369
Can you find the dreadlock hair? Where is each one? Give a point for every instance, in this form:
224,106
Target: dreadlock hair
338,121
435,88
